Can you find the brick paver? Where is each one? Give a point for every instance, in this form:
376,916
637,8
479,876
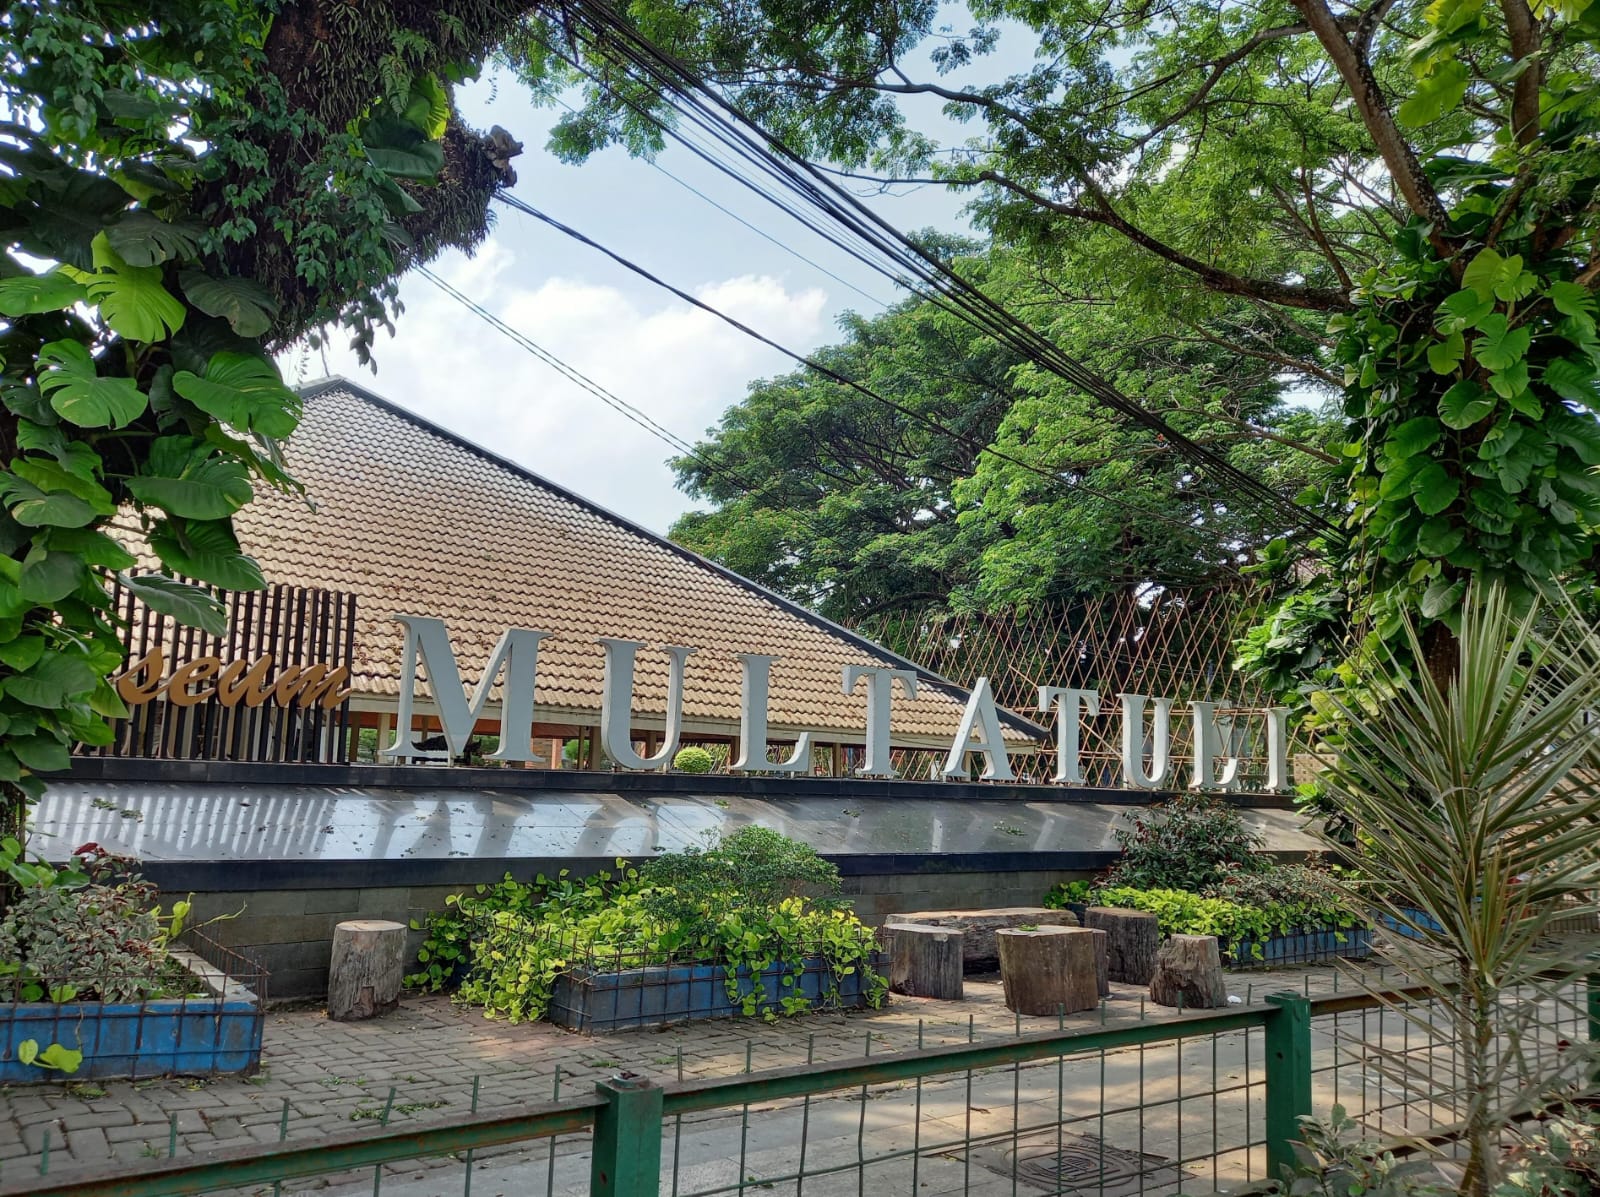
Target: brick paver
420,1062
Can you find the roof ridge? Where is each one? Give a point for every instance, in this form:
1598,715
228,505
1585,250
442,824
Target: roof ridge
338,382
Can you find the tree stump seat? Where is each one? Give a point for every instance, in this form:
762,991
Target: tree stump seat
1049,970
980,950
1188,974
365,970
925,961
1132,937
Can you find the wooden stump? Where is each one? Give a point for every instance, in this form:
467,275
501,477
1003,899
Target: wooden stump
1189,974
979,947
364,974
1132,937
925,961
1048,970
1102,969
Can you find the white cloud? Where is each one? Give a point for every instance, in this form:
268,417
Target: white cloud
680,366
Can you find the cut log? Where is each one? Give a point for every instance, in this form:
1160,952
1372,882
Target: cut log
364,973
979,949
1102,970
925,961
1132,937
1189,974
1049,970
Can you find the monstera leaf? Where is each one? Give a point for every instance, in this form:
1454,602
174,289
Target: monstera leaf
131,299
192,605
67,375
207,550
248,307
143,239
29,294
242,390
193,483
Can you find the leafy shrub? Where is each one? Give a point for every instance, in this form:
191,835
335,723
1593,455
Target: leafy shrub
755,900
1307,887
1065,893
1190,842
693,760
1182,913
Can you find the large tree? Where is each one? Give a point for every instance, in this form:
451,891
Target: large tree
1397,197
968,477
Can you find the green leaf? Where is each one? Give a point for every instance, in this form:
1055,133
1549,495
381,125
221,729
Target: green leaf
77,479
207,551
30,294
79,395
51,683
41,752
1435,95
213,489
191,605
143,239
35,508
1438,537
1571,299
131,299
1488,274
1574,381
1464,404
1412,437
21,654
1498,345
1433,489
429,107
400,149
48,577
1442,596
1511,383
1444,356
248,307
1463,310
242,390
92,547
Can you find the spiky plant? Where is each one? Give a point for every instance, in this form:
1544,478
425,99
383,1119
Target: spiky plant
1477,804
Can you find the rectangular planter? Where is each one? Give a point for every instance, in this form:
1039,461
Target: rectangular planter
1307,947
595,1002
217,1033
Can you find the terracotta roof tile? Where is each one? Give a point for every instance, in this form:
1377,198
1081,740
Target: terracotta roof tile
417,521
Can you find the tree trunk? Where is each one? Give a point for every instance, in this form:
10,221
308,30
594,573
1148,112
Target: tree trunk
364,974
925,961
1102,966
1188,974
1132,937
1048,971
1442,655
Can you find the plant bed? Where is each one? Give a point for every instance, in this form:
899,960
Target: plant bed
591,1001
215,1029
1311,946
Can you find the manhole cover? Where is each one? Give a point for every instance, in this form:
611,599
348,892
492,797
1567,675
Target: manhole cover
1081,1164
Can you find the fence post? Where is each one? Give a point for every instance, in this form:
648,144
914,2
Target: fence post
627,1138
1288,1095
1592,991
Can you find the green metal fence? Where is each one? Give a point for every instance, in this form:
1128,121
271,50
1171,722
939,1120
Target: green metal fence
1204,1102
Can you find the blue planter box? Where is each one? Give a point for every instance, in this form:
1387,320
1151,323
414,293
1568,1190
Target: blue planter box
1307,947
595,1002
1420,918
219,1033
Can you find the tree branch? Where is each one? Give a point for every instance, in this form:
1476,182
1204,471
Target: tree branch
1524,34
1289,294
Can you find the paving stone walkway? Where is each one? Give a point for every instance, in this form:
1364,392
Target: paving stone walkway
423,1061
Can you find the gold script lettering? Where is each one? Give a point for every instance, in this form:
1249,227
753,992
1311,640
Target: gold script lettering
253,688
201,669
311,686
302,685
143,680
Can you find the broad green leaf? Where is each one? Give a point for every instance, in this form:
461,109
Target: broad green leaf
1463,310
50,475
92,547
244,391
1497,345
1464,404
41,752
1412,437
22,653
207,551
1435,95
35,508
1444,356
1511,382
429,107
1438,537
49,577
1571,299
77,393
1489,274
143,239
131,299
1573,380
212,489
30,294
400,149
1441,596
53,680
1433,489
191,605
248,307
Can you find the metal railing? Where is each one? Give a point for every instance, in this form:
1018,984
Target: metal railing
1210,1099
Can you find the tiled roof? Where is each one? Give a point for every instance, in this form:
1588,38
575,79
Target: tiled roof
415,520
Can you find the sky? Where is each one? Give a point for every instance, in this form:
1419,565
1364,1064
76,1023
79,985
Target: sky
680,366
